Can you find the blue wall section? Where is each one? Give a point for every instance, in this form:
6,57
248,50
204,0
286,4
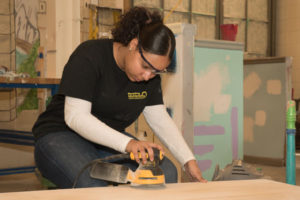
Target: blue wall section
218,107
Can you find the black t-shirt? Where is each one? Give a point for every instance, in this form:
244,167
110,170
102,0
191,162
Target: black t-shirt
93,75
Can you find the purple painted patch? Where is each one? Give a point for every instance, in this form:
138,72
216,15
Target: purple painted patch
209,130
234,132
203,149
204,164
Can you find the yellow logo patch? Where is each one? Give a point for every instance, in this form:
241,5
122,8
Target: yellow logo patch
137,95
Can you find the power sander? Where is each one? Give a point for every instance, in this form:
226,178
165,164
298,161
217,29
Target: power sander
146,174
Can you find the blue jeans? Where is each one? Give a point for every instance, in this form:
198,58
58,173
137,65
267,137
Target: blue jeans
60,156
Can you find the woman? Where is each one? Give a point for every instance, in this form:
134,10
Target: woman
105,86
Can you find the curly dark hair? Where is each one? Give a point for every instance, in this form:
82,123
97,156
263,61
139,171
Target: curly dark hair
130,24
153,36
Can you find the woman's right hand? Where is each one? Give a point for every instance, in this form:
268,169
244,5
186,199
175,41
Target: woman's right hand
142,147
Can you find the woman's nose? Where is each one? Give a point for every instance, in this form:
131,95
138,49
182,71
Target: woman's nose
147,75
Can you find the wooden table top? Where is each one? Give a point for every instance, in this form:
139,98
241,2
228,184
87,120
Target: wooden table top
219,190
30,80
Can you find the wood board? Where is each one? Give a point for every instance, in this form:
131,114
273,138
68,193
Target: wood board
30,80
221,190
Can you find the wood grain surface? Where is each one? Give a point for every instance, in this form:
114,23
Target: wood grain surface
222,190
30,80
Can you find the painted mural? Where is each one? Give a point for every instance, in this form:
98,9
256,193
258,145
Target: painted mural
27,44
27,35
218,108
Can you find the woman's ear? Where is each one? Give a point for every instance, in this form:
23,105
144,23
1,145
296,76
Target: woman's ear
133,44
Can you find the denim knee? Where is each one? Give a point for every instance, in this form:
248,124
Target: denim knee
170,171
60,157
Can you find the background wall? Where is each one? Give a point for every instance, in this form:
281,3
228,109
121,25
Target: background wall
288,40
64,24
7,34
7,57
253,17
67,31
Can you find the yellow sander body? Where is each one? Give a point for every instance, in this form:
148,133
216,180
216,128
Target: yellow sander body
149,173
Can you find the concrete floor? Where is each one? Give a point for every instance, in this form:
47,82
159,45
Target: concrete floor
29,181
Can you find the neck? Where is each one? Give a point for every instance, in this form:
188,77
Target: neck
119,55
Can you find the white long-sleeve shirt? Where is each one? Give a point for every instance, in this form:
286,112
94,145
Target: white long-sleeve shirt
78,117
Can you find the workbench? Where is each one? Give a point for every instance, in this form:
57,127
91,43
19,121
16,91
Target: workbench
51,83
23,137
219,190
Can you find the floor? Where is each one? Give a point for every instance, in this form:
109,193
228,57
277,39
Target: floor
29,181
20,182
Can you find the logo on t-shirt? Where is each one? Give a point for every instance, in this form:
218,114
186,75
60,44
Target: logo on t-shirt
137,95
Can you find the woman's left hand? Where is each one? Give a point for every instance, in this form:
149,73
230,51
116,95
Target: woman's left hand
194,172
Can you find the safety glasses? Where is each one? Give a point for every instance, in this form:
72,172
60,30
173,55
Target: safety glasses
153,69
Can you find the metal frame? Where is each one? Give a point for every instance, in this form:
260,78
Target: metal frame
17,170
53,87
